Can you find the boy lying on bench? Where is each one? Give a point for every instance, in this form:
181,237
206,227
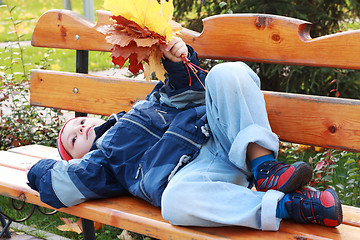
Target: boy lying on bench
193,152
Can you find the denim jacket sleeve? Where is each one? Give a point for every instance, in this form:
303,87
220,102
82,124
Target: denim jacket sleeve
181,89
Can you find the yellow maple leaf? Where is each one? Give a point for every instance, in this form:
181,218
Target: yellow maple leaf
70,226
154,65
77,227
146,13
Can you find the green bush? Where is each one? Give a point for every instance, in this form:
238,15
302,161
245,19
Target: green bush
326,16
339,170
21,123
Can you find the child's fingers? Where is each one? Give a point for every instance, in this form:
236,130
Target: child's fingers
174,49
179,49
171,44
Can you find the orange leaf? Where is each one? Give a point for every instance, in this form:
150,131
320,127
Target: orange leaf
98,225
125,23
124,52
155,65
69,226
135,54
137,44
119,38
145,42
125,235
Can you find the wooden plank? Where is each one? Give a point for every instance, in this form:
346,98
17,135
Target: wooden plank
123,212
86,93
38,151
311,231
16,161
295,118
138,216
320,121
351,215
254,37
273,39
69,30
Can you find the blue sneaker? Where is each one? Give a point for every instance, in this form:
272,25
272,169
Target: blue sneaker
282,177
314,206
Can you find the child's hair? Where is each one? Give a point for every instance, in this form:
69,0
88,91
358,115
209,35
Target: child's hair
62,151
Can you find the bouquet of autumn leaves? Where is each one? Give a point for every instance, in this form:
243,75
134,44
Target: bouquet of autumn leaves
138,29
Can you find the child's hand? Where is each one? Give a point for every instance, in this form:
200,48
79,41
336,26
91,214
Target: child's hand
174,49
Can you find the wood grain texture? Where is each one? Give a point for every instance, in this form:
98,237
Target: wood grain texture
295,118
273,39
86,93
69,30
37,151
139,216
247,37
320,121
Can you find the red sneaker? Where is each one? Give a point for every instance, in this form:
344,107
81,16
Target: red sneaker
318,207
282,177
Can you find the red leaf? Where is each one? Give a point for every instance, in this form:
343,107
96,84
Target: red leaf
134,65
333,81
319,165
120,61
130,41
125,23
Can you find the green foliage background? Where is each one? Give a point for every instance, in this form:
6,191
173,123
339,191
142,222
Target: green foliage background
326,16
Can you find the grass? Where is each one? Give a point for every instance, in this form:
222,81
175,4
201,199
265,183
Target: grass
58,59
49,223
26,14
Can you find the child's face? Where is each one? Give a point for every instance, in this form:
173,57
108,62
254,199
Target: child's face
78,135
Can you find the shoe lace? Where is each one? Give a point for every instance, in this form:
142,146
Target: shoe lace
275,166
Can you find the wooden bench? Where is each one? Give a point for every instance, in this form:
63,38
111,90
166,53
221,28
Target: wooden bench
321,121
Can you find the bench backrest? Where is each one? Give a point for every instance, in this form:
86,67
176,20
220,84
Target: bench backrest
321,121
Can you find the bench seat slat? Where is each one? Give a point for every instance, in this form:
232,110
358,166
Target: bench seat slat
320,123
38,151
278,39
138,216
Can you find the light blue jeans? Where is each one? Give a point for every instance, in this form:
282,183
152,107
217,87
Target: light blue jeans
213,190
